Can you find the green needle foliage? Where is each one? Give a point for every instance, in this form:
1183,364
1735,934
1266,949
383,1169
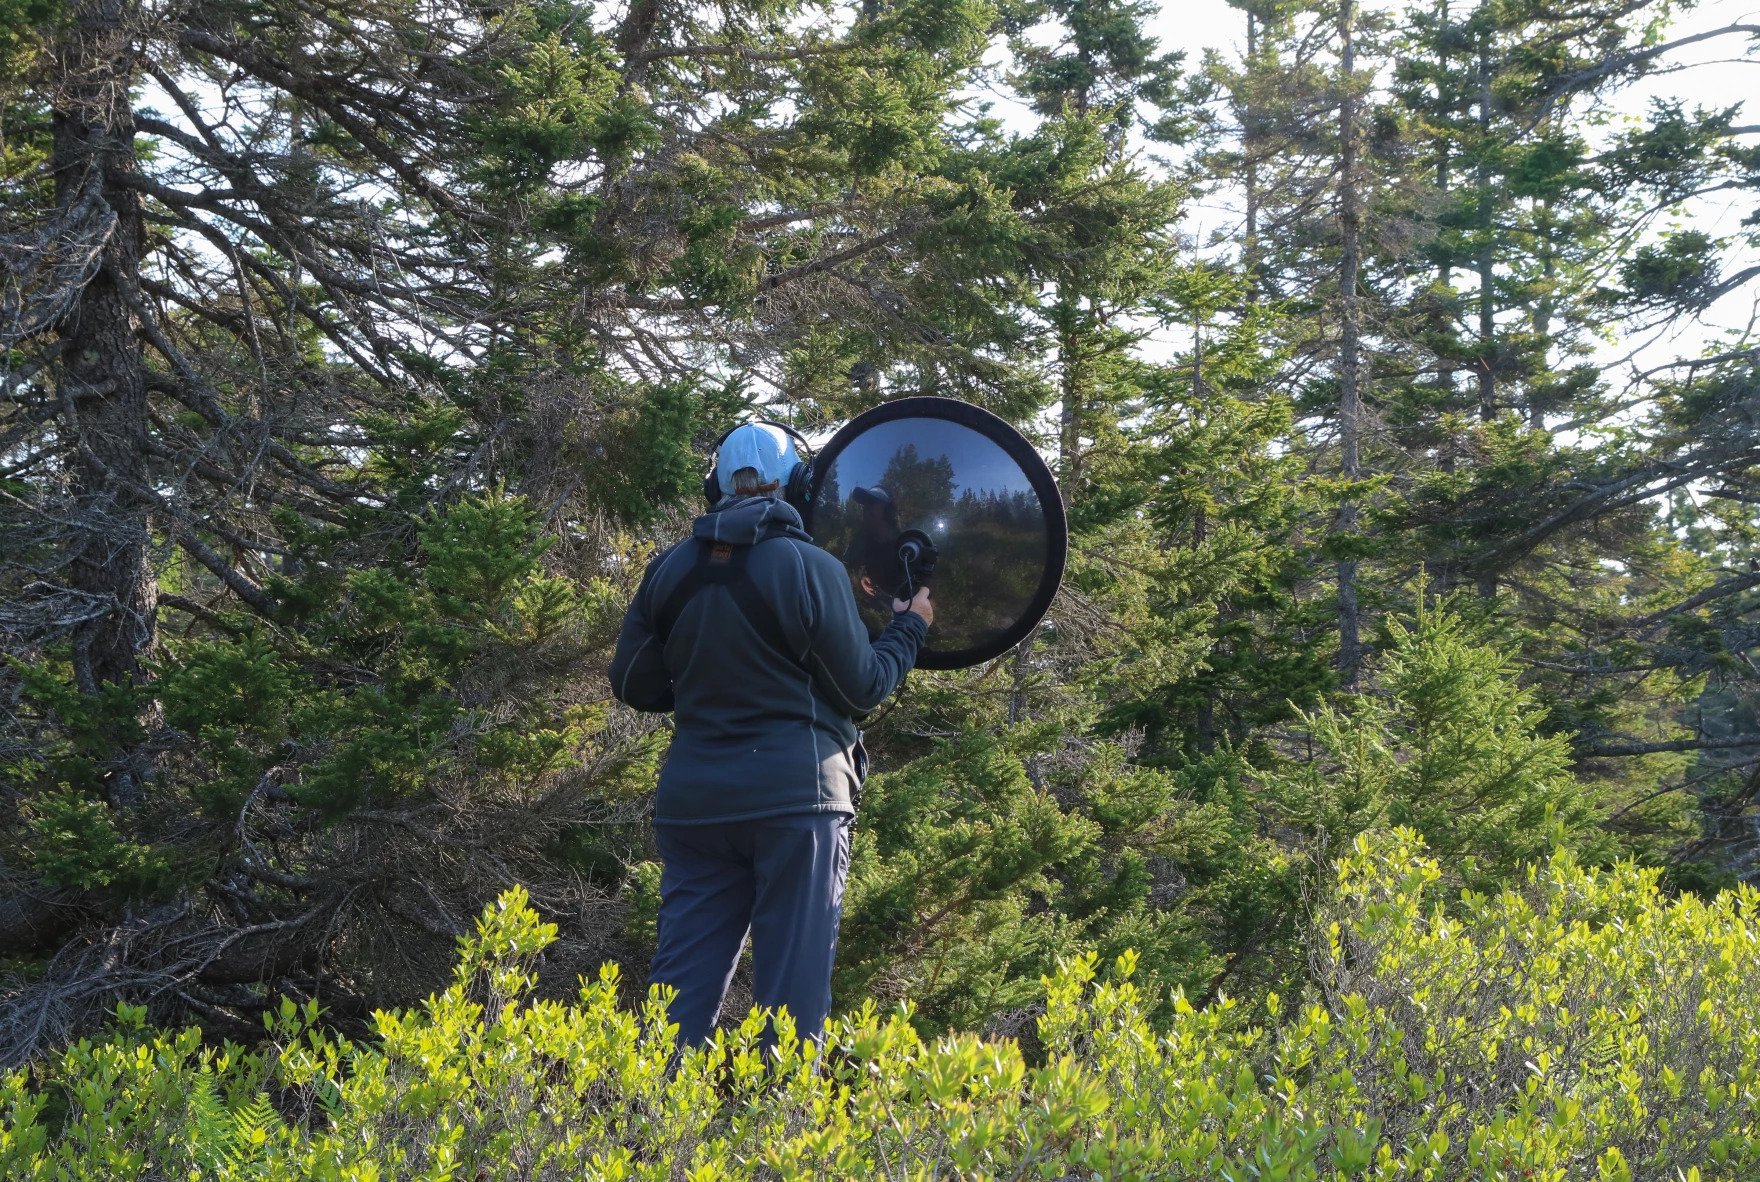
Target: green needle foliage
1447,743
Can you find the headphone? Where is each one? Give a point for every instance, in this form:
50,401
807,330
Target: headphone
797,490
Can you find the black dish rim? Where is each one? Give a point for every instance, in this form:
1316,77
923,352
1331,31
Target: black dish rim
1001,433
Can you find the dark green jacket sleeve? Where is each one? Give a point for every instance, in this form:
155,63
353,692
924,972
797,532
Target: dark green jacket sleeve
854,673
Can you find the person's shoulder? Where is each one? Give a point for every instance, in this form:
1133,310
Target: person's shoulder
674,558
815,559
800,558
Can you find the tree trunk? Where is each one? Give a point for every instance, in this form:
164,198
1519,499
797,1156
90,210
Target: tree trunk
1350,396
1487,299
1072,366
1543,313
1019,670
1444,271
1200,520
1487,584
1444,572
1250,150
102,367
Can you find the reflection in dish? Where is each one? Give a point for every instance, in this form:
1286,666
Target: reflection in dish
967,494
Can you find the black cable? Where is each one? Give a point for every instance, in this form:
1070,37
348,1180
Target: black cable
892,703
856,799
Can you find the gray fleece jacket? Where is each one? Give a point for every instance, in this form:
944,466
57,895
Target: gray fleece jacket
758,733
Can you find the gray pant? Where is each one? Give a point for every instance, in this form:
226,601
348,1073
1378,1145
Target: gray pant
781,879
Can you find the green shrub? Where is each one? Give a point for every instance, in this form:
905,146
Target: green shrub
1582,1027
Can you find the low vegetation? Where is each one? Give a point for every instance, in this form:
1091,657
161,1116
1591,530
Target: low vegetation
1580,1025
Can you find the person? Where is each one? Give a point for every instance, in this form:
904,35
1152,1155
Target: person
874,549
749,634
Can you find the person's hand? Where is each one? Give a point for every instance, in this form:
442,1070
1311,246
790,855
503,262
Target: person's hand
919,604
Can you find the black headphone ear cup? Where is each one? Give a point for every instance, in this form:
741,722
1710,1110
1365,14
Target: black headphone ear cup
799,490
712,486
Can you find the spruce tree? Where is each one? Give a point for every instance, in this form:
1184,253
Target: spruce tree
323,326
1552,225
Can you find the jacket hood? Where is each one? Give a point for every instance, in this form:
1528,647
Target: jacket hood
743,521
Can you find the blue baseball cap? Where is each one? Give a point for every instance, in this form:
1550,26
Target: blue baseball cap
755,445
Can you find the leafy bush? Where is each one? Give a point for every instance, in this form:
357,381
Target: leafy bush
1583,1027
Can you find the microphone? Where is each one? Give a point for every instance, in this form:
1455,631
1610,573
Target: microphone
917,556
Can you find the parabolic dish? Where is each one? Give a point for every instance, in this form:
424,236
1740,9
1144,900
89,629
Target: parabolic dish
976,488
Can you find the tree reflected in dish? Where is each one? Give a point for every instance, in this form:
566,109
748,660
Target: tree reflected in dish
991,528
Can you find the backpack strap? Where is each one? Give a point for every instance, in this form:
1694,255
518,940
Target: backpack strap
719,564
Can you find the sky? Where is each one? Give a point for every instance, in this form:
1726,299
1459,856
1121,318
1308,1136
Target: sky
1711,73
1197,25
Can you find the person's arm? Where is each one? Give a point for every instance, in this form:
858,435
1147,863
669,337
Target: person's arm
854,673
639,677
